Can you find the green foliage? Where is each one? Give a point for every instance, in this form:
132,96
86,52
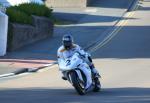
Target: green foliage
35,9
18,16
23,12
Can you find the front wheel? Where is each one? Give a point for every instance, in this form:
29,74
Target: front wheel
78,85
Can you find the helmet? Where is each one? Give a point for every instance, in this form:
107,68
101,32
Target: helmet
67,41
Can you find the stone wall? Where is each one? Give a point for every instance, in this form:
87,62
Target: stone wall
21,35
67,3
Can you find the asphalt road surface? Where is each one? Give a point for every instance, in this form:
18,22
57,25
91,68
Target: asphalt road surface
124,64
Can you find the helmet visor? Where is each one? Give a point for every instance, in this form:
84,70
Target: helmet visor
67,44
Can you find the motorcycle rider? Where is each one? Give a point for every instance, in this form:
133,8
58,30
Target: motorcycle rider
68,49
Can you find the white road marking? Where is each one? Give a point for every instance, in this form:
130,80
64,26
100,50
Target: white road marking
6,75
92,10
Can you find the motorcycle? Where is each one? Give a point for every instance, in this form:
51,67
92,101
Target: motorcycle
71,68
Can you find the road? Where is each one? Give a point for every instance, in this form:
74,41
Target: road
91,22
123,63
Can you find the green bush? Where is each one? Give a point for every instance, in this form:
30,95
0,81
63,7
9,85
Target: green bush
18,16
35,9
23,12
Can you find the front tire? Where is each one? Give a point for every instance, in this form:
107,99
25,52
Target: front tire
77,84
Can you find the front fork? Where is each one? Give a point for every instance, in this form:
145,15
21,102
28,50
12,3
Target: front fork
78,72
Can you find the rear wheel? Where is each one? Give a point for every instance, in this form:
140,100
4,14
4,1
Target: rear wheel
78,85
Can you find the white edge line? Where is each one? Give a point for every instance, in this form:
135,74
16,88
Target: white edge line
7,75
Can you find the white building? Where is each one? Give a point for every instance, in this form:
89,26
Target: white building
3,33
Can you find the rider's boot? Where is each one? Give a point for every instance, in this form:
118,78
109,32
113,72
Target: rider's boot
94,71
98,84
96,76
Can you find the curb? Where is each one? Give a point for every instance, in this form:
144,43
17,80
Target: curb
27,70
97,44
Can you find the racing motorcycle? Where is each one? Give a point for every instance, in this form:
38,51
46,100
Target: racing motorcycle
72,72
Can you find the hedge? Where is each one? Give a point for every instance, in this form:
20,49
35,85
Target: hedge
23,12
18,16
